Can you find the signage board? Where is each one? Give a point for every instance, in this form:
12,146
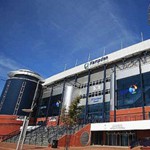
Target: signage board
121,126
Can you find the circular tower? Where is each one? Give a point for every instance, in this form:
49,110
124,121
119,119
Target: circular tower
21,91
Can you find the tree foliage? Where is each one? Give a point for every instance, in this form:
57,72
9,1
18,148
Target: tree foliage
71,116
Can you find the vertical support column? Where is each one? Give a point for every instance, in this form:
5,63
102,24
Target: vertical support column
142,89
104,88
19,143
75,78
26,120
35,98
115,99
63,91
87,96
48,105
35,95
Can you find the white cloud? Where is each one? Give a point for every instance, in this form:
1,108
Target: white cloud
104,28
6,65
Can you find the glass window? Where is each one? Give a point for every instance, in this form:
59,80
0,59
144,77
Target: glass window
84,95
146,80
108,79
85,85
90,94
43,107
94,82
53,107
129,92
95,112
97,82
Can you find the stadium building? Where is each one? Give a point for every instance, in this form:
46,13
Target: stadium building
114,91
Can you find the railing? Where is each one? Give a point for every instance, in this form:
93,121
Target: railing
58,132
140,142
12,137
44,135
37,136
64,130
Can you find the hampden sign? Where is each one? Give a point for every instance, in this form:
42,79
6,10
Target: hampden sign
96,62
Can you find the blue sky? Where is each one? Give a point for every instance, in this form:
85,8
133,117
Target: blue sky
44,35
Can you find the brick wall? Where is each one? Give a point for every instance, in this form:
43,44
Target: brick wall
9,124
143,134
145,148
75,139
130,114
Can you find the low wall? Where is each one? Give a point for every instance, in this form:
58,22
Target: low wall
8,125
80,138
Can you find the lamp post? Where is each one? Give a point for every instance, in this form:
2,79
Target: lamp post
24,129
26,120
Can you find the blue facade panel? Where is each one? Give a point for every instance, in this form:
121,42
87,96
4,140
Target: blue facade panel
19,91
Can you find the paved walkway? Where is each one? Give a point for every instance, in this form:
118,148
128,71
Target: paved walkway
94,148
12,146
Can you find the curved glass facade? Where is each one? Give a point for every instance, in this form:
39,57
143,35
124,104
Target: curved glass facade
18,94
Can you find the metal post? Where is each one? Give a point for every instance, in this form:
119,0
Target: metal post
48,106
142,89
104,88
115,100
26,121
35,94
87,96
22,130
63,91
75,79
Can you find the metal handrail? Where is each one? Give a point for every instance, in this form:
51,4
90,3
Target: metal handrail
140,142
63,130
10,135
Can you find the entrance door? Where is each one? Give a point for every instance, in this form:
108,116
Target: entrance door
120,138
97,138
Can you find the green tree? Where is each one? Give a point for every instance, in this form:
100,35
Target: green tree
70,117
